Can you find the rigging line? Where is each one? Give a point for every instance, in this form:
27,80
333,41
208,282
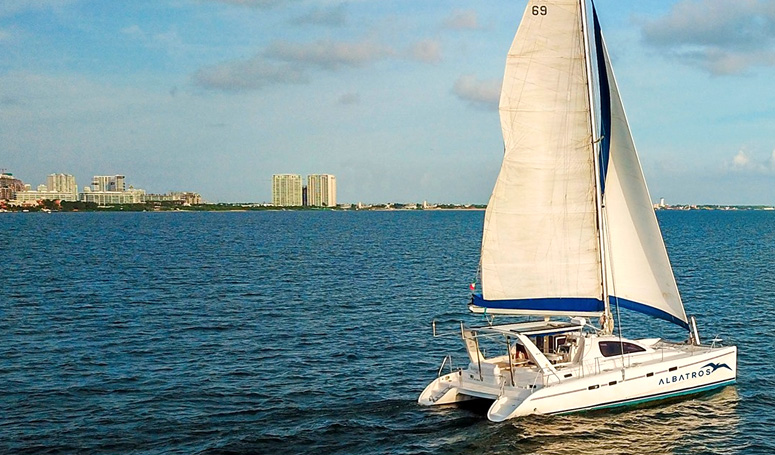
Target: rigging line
612,285
584,24
619,328
609,288
613,291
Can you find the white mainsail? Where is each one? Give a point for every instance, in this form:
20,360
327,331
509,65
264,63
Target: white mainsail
542,230
540,236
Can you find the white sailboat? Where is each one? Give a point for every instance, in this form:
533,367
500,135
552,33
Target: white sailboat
570,232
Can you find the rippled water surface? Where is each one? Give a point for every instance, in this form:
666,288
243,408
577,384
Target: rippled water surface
309,332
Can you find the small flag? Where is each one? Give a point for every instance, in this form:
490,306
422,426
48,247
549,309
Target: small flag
473,286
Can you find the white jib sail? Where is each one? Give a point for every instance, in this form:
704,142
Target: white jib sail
638,268
540,230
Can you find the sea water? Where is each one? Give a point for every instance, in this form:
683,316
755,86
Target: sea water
310,332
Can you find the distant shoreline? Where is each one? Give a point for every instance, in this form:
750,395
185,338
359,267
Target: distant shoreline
263,208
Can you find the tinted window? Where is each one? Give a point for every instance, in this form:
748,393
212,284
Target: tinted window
612,348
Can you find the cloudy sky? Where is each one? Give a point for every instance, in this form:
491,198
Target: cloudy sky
396,98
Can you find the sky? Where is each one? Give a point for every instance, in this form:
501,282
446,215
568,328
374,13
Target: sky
396,98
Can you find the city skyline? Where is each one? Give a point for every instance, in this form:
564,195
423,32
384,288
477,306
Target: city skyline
104,190
396,98
108,190
97,182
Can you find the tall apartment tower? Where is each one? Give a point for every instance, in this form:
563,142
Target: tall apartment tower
61,183
286,190
321,190
9,186
108,183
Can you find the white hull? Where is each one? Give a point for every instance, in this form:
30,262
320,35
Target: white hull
666,371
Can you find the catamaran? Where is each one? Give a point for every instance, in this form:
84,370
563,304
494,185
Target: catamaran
570,237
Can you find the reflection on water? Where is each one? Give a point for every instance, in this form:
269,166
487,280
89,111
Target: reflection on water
706,424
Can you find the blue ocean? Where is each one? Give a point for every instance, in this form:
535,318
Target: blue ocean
310,332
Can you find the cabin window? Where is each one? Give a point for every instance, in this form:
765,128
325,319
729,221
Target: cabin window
612,348
559,341
549,344
540,342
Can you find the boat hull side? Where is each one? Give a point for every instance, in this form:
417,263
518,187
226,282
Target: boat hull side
443,390
690,375
637,401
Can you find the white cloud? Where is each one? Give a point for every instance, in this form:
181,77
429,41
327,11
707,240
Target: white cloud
480,94
12,7
719,36
335,16
426,51
347,99
741,159
285,62
134,31
169,41
251,74
743,162
328,54
462,20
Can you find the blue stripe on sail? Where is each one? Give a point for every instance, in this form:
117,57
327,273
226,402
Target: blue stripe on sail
605,102
559,304
648,310
574,305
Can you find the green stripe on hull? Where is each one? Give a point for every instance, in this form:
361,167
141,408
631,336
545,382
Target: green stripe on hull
635,402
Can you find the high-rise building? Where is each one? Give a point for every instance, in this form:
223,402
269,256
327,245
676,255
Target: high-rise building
100,183
108,183
132,196
111,189
286,190
321,190
9,186
61,183
58,187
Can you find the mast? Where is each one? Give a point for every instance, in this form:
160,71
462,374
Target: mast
608,324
